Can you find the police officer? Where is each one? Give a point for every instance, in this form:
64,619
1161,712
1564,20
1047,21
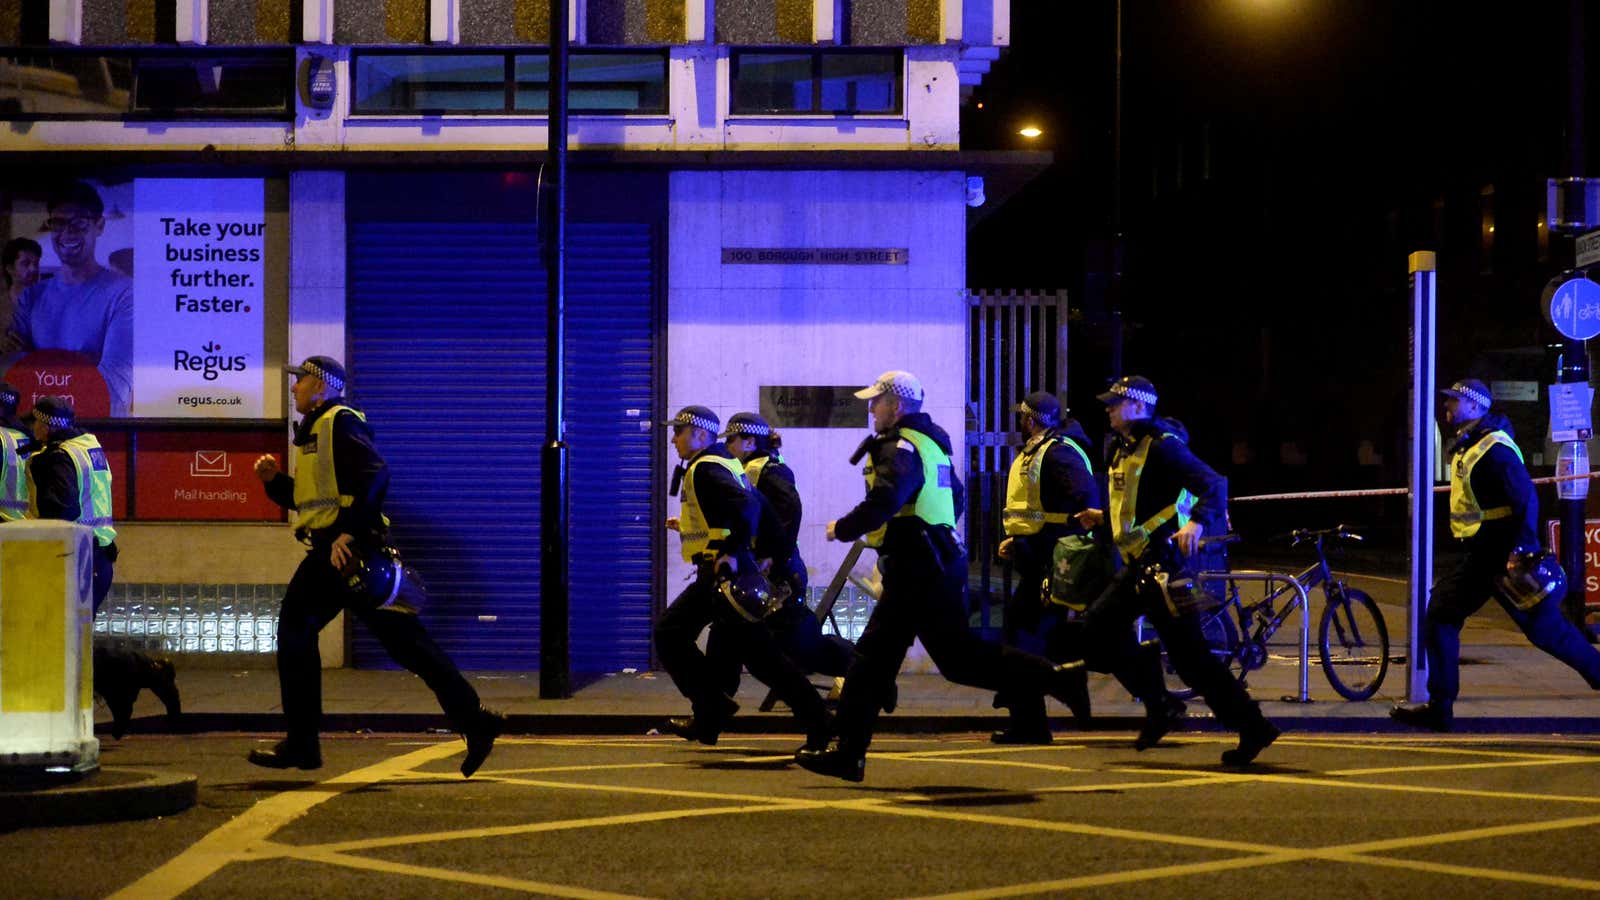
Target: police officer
798,632
909,515
1493,517
1051,480
1162,501
337,492
14,439
69,479
716,527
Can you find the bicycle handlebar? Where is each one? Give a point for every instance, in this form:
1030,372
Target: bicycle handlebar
1339,532
1220,540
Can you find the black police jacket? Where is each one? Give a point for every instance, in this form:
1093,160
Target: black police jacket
1500,479
778,532
359,469
1065,485
725,501
1172,467
897,471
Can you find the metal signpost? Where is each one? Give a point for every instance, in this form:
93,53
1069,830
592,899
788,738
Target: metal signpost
1424,302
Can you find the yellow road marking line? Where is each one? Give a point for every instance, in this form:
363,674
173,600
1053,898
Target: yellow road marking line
653,792
1470,834
1455,767
456,876
1008,763
594,768
1449,751
1302,780
237,839
1474,872
1059,789
1066,827
401,840
1106,879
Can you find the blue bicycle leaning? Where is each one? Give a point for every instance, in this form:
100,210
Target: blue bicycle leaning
1352,638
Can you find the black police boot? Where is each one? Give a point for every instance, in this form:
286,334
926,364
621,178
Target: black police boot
1019,733
834,761
1160,717
162,679
287,756
891,697
1252,741
1069,683
486,726
682,726
1423,715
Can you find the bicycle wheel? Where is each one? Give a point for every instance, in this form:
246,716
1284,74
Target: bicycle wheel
1353,642
1223,637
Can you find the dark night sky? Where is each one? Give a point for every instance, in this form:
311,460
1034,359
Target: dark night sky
1280,160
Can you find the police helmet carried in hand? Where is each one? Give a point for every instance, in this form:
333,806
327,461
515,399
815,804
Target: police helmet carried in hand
383,581
750,595
1531,577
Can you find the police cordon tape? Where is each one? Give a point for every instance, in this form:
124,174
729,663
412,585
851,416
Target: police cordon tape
1384,492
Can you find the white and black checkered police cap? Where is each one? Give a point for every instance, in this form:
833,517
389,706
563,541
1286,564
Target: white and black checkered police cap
1129,387
895,382
330,370
1470,389
698,416
747,424
54,412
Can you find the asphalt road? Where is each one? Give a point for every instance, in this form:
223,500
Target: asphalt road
388,816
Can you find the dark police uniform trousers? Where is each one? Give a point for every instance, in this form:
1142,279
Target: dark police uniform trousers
704,681
315,595
924,596
1464,590
1109,622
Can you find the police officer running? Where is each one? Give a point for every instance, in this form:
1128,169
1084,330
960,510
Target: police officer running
1162,497
337,491
796,629
716,527
909,515
69,479
1051,480
1493,517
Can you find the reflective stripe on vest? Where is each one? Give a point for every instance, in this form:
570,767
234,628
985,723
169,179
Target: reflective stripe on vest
94,486
935,502
317,500
694,535
1465,514
1133,538
755,467
1024,512
13,477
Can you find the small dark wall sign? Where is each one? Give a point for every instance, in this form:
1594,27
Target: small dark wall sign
813,406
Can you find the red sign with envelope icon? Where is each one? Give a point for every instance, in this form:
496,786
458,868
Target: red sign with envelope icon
204,475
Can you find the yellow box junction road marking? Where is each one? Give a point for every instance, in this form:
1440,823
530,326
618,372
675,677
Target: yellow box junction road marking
249,837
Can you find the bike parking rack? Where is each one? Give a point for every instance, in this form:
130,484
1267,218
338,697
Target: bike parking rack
1268,578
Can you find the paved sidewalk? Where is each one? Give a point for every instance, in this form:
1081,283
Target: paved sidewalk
1507,687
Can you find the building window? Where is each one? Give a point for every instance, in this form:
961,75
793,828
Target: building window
816,83
137,84
599,83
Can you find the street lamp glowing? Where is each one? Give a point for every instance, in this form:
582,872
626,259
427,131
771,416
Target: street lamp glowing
1030,132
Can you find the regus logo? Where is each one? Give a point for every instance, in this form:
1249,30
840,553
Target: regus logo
210,362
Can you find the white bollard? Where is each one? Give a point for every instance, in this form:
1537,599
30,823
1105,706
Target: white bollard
46,648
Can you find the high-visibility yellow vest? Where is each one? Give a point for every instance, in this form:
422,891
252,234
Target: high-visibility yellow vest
317,500
1132,538
694,535
1466,516
14,478
755,467
94,486
935,503
1025,512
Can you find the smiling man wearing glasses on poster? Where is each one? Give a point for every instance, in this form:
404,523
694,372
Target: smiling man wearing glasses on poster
86,307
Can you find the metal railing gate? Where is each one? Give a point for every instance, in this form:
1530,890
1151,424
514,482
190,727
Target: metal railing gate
1016,343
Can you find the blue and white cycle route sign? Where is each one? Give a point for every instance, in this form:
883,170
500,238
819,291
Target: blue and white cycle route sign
1575,309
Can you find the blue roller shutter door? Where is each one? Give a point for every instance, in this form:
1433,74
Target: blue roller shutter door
447,352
